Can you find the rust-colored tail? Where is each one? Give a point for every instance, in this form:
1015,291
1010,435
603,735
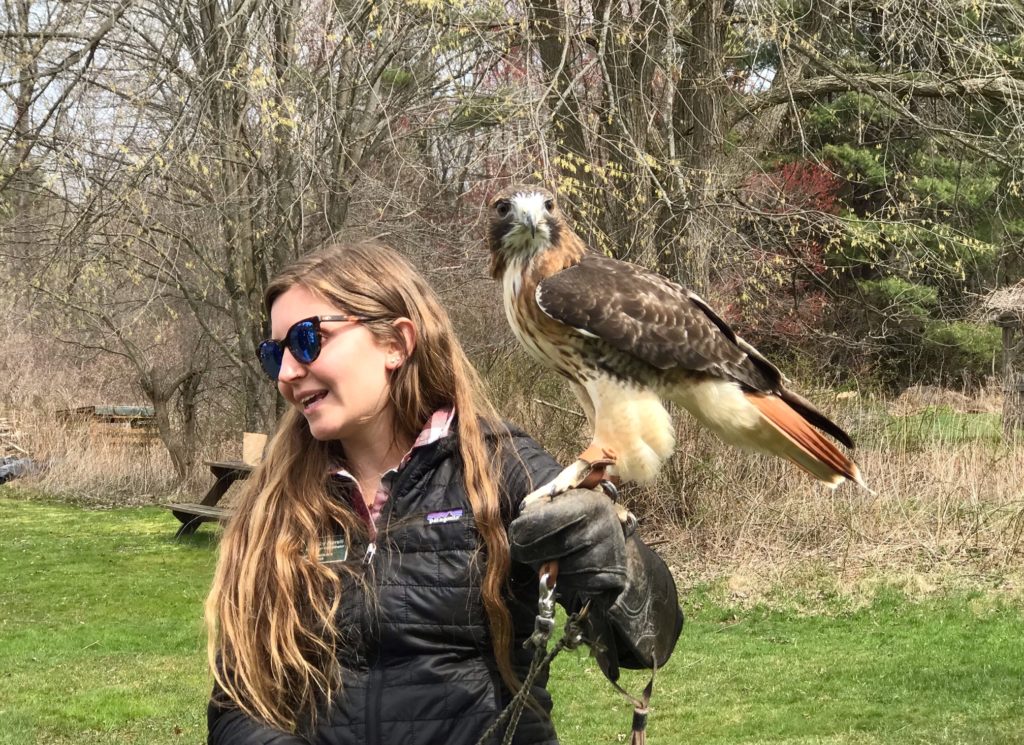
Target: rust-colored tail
804,445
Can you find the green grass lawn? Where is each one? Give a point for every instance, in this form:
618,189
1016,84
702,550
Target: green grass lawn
941,426
101,641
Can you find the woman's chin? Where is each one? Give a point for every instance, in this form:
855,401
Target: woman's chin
323,431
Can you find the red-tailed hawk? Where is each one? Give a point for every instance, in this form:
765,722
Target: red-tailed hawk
627,338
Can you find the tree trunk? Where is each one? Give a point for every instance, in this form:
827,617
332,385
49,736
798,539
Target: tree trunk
180,443
26,73
1013,386
699,113
559,60
187,393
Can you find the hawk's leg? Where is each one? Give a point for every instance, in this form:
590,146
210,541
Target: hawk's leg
587,472
584,473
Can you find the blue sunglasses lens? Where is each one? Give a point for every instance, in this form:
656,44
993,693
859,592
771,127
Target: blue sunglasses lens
304,341
271,355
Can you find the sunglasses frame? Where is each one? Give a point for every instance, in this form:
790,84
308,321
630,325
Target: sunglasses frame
288,343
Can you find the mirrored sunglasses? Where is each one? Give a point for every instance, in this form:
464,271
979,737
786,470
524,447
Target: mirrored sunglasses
303,340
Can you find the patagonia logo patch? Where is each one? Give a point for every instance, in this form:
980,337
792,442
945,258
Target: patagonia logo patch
444,516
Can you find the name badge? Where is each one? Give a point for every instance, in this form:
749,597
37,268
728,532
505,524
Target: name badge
445,516
334,550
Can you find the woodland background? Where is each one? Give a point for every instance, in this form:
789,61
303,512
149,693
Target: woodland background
842,180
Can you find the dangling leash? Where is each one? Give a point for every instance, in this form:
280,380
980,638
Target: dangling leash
591,475
586,475
572,637
641,707
543,626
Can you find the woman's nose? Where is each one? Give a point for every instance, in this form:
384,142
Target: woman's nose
291,368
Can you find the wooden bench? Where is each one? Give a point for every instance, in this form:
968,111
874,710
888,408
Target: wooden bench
192,516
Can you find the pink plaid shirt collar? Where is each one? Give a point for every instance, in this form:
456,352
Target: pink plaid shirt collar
438,427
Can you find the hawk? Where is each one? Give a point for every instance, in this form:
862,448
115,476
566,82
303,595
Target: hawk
627,339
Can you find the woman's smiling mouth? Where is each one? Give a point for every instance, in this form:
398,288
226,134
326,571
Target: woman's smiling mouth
310,400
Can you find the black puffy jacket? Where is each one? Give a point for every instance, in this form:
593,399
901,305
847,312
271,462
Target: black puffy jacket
418,664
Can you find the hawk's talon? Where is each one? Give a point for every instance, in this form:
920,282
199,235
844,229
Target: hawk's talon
627,518
629,525
545,492
581,475
572,477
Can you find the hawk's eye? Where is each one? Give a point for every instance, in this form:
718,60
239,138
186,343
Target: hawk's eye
549,204
503,208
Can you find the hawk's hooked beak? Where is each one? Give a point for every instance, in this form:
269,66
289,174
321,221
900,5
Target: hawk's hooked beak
529,215
531,224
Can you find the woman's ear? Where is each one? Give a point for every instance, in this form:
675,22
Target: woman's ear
400,353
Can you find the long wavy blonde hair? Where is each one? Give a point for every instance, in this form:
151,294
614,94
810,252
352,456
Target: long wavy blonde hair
271,613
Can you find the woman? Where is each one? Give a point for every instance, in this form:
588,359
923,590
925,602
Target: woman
366,591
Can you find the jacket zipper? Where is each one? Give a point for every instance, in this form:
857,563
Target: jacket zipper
373,697
375,693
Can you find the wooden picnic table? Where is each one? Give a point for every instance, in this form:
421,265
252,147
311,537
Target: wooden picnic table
192,515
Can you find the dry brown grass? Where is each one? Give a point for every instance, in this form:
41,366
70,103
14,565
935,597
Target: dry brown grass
940,516
102,466
84,467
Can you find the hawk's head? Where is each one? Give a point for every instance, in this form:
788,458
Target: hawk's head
524,222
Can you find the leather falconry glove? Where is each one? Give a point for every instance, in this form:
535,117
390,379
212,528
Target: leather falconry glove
635,619
581,530
639,627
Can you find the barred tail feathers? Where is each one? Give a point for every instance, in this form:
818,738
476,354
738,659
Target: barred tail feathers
802,444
